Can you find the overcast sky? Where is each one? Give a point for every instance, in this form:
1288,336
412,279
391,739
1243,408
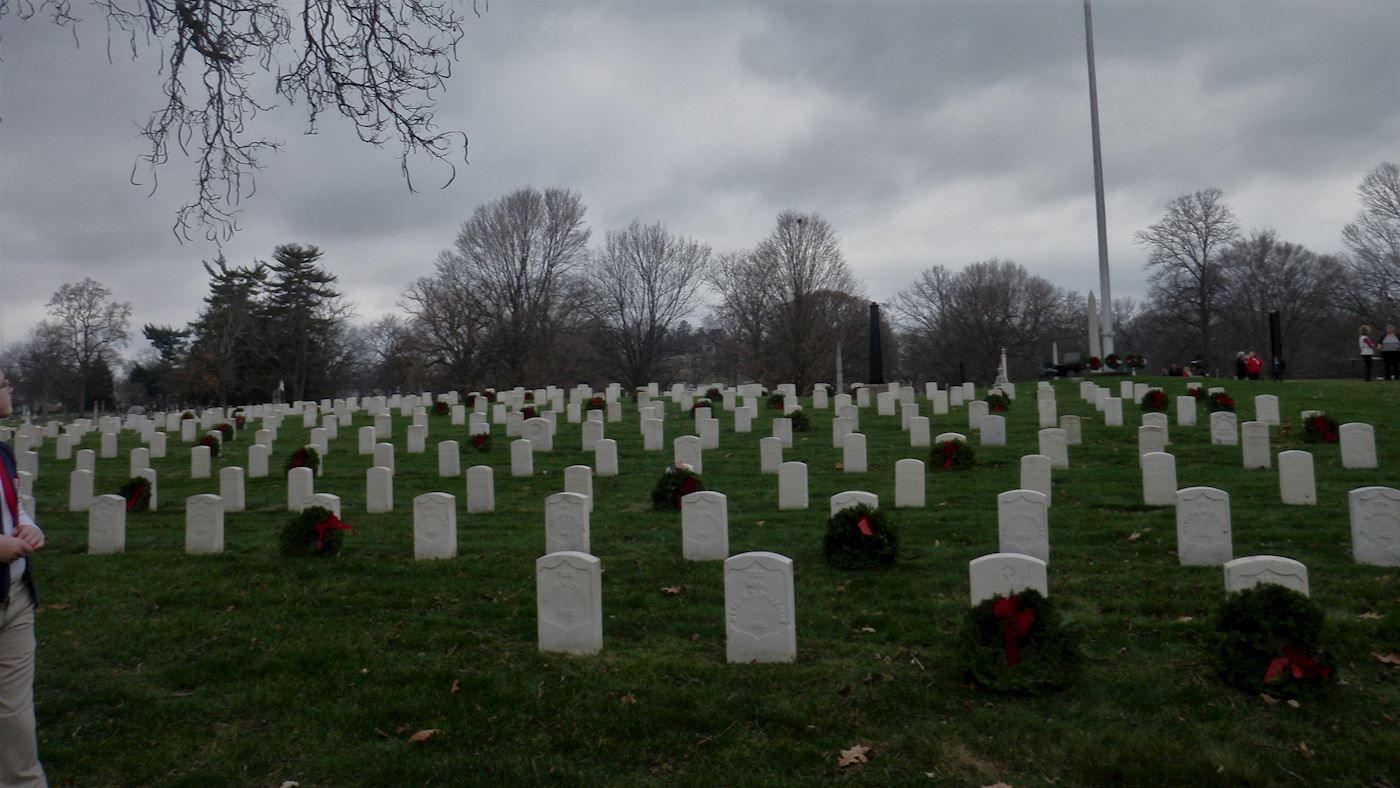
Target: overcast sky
932,132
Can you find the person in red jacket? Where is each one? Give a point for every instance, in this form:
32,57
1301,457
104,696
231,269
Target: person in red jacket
1252,365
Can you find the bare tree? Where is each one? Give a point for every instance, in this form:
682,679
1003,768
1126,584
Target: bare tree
746,299
91,327
968,317
801,260
645,280
1187,270
1264,274
1374,239
375,62
516,256
36,367
450,323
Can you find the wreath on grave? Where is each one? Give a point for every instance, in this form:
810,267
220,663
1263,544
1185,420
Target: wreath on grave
137,492
304,457
225,429
1135,360
1272,639
1320,428
1197,392
215,445
527,412
954,455
596,403
703,402
482,442
775,402
239,419
441,408
1095,363
1113,361
714,393
998,402
800,422
859,537
1154,401
489,394
189,414
1018,644
676,482
315,531
1220,401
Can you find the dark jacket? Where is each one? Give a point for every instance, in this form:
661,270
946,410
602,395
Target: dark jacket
7,467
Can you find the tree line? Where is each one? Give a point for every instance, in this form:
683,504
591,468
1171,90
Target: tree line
525,296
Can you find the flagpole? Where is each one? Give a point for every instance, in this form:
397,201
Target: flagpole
1106,304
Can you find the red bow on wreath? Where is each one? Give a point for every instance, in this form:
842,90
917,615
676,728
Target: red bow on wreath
864,525
688,486
135,496
331,523
950,450
1295,659
1016,623
1320,424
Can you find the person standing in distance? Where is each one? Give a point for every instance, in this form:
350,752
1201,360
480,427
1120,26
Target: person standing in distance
19,745
1390,353
1367,346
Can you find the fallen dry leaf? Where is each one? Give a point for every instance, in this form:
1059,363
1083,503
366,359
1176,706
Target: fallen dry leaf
1370,616
423,735
1293,704
840,466
761,522
1133,537
1303,748
1393,658
1267,698
56,606
671,590
867,629
629,699
1185,619
855,755
456,686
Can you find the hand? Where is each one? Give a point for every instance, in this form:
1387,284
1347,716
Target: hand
30,535
13,548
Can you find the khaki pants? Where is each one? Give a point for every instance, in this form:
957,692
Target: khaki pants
19,747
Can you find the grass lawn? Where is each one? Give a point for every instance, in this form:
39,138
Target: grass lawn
158,668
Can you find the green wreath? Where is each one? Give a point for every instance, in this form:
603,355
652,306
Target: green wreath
215,445
800,422
225,429
776,401
1320,428
1154,401
997,402
953,455
441,408
859,537
316,531
1220,401
137,492
303,457
675,483
1272,639
1019,644
703,402
481,442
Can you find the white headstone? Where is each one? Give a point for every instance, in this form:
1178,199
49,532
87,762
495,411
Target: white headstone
1158,479
918,432
1224,429
434,526
976,411
1375,525
686,450
569,603
652,435
566,522
1023,525
1186,411
522,458
579,479
158,449
605,458
1266,410
1252,570
841,426
106,524
417,439
480,489
743,419
853,453
1052,443
80,492
770,454
204,524
1254,442
1296,482
539,433
909,484
1151,439
300,486
782,430
852,498
1035,474
257,461
1358,445
1203,526
705,526
760,611
384,455
940,402
592,432
449,459
138,458
1047,410
1074,433
1113,412
993,430
379,490
199,462
1004,574
383,426
231,489
366,438
792,485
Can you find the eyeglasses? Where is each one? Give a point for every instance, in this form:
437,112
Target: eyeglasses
6,386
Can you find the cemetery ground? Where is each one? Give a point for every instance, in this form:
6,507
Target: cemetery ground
249,668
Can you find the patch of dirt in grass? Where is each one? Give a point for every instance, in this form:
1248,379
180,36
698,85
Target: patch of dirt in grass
964,762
